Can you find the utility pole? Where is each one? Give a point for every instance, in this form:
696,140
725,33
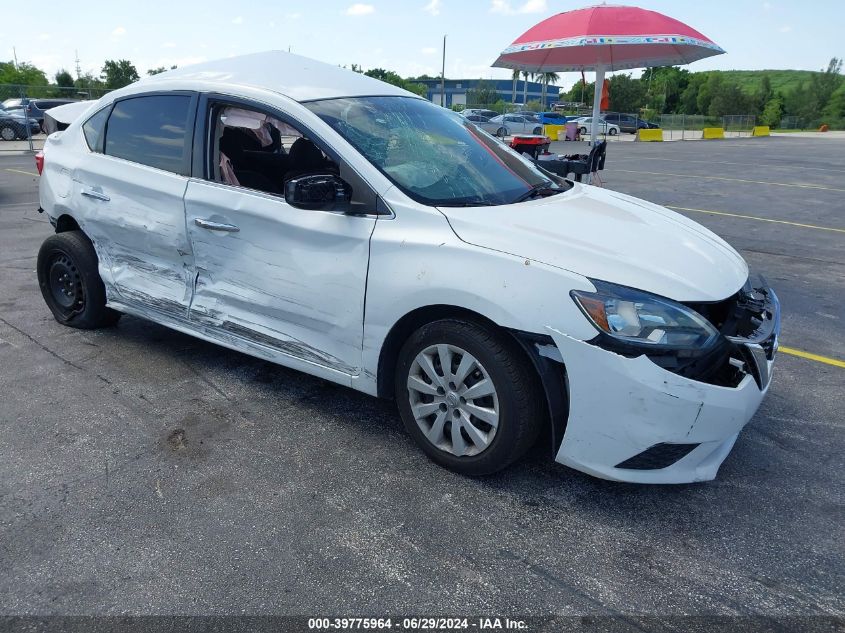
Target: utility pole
443,77
78,69
15,55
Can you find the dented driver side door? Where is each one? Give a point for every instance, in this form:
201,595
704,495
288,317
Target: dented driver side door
276,280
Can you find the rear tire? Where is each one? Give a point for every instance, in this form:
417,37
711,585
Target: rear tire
8,133
612,131
70,282
480,414
583,131
502,132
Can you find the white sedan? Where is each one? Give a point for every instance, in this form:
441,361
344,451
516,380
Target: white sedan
337,225
516,124
585,126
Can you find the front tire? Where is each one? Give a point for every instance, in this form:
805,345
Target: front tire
613,131
8,133
468,396
70,282
583,131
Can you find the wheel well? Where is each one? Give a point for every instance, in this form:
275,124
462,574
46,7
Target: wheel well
406,326
551,375
66,223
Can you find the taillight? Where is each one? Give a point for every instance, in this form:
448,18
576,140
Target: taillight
39,162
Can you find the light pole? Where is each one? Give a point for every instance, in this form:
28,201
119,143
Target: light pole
443,77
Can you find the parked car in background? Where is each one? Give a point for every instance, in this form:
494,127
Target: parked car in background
528,114
262,212
515,124
13,124
37,107
585,126
485,124
487,114
553,118
627,122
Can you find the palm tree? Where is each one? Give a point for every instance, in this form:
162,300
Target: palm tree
548,78
515,77
525,76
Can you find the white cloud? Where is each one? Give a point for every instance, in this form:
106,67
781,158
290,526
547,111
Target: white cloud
169,45
785,29
238,20
44,37
767,6
293,16
360,9
119,32
531,6
428,50
433,7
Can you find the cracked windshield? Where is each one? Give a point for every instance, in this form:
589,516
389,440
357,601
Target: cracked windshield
434,156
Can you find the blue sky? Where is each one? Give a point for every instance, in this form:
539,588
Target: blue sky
402,35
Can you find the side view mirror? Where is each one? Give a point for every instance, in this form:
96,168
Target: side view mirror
321,192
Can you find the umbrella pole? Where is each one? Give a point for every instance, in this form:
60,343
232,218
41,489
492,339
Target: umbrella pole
594,136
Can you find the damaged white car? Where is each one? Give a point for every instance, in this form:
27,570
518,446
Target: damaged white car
331,223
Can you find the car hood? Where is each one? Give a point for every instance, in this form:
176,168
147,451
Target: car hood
609,236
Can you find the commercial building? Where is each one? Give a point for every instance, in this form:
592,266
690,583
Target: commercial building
456,91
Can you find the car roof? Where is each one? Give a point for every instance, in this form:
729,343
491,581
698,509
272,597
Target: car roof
295,76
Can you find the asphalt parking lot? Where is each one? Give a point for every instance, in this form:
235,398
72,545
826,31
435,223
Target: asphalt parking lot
144,471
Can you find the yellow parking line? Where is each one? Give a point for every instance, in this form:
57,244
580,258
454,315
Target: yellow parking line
755,217
819,359
20,171
755,182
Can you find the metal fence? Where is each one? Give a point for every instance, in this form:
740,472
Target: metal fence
22,116
690,126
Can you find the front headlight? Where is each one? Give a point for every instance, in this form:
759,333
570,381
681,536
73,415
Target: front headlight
642,319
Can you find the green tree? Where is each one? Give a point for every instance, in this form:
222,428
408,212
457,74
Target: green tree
728,98
626,94
64,79
834,111
707,91
119,73
664,87
388,76
484,93
24,74
772,112
159,70
688,103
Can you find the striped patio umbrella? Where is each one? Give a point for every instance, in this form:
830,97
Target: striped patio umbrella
605,38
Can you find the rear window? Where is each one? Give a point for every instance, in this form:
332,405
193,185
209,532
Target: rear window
93,130
150,130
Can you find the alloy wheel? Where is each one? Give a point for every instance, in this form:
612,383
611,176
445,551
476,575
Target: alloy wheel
453,400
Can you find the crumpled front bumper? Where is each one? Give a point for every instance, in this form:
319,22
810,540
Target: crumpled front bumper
623,412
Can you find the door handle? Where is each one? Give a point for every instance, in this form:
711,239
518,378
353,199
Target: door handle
97,195
215,226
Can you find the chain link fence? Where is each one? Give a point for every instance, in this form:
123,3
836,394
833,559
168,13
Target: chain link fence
690,126
23,108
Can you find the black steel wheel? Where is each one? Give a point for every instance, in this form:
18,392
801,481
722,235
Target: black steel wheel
70,282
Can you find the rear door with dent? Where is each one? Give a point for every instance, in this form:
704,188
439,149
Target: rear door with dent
130,193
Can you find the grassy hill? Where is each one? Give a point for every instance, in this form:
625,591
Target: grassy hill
782,80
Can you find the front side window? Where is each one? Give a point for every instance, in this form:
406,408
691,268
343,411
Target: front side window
434,156
256,150
151,130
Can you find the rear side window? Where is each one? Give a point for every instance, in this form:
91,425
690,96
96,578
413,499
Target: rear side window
150,130
93,130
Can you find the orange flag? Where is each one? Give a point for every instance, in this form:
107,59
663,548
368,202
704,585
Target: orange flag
605,96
